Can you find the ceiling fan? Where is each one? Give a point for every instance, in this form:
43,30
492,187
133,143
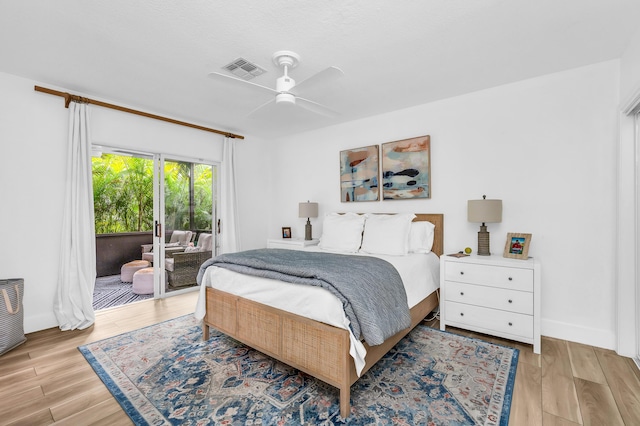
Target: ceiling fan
286,91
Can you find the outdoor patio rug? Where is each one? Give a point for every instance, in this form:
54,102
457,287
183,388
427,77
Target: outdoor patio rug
110,291
165,374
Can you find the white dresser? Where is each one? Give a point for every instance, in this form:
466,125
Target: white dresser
492,295
290,243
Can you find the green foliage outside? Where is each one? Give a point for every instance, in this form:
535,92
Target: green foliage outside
176,196
123,194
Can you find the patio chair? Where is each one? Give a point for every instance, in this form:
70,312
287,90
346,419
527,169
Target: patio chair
179,239
182,268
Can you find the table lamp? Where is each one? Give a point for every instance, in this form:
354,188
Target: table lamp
308,210
484,211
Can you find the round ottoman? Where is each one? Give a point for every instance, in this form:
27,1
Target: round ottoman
143,281
128,269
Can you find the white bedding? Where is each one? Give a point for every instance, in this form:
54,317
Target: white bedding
419,273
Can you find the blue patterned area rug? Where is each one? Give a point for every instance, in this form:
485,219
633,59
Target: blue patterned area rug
110,291
166,375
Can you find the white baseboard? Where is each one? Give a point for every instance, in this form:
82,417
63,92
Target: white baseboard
598,337
43,321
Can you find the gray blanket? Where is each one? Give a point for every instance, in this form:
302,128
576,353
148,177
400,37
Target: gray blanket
370,289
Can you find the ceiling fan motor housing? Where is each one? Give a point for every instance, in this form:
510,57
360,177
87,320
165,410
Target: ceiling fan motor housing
284,84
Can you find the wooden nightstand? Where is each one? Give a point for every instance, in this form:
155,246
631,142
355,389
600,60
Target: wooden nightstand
492,295
290,243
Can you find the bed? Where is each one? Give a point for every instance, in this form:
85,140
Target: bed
327,352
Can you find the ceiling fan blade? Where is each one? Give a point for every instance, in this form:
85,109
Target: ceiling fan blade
322,77
238,80
316,107
272,101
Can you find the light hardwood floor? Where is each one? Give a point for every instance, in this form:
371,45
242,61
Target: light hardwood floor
570,384
46,380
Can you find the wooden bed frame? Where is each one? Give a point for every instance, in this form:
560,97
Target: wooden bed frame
318,349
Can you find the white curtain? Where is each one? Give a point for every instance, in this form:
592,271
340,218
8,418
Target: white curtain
229,237
77,274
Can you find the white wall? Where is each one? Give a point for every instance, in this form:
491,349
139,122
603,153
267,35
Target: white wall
545,146
627,306
630,68
33,137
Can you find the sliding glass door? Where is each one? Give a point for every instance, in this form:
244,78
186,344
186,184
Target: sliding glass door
155,211
187,207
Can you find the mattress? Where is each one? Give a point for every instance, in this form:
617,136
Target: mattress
419,273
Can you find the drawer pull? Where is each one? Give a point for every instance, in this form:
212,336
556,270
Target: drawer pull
510,324
462,293
461,272
510,301
510,279
461,314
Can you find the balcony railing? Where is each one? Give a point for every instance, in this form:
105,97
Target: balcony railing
114,250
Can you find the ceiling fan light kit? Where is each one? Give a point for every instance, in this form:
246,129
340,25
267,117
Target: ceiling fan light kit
285,98
286,91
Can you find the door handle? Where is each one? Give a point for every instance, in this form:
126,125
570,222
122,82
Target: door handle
158,229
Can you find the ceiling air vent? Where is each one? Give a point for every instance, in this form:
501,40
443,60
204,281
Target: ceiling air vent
244,69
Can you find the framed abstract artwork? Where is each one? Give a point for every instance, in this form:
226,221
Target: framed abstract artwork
359,174
406,169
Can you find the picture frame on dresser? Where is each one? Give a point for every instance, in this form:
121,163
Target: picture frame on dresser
517,246
286,232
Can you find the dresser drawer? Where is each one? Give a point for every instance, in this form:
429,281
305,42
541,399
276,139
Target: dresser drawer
489,275
490,297
475,317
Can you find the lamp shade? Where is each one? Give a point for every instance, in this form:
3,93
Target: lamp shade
308,210
485,211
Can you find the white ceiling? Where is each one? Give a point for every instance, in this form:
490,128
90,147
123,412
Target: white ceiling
155,55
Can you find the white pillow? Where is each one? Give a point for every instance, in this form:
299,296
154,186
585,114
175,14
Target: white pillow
387,234
421,237
342,232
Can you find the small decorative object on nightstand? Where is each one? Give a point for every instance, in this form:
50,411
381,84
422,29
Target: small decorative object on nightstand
492,295
290,243
484,211
308,210
286,232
